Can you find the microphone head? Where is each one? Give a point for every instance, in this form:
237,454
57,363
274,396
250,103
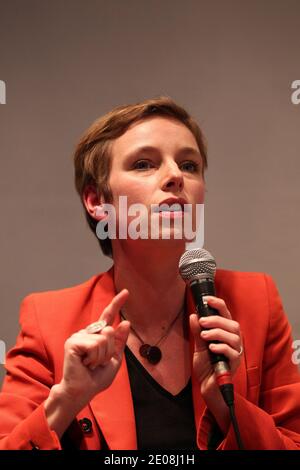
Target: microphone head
197,264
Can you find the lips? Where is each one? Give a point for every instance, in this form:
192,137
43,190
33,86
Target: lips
171,205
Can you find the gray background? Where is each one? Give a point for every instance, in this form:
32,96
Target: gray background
230,63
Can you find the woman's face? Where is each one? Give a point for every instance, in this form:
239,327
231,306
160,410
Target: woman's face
154,160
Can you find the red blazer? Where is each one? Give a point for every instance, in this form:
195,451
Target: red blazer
267,383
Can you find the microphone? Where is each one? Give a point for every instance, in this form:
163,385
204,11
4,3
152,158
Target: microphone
197,268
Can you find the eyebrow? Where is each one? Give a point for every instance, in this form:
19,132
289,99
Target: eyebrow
149,148
189,151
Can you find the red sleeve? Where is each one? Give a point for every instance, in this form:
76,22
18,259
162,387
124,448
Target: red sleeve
275,423
27,384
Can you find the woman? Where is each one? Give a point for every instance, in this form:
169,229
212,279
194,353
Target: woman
69,382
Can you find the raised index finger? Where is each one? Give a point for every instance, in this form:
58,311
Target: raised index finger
110,312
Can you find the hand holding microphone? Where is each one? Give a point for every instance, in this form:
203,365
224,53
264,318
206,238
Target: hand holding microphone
217,339
218,344
213,326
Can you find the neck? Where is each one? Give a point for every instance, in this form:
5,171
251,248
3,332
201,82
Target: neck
150,273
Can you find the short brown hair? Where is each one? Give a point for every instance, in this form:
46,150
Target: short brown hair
92,158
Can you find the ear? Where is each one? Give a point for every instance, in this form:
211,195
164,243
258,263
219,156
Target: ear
93,203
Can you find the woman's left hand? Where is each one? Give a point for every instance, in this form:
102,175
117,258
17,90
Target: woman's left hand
219,328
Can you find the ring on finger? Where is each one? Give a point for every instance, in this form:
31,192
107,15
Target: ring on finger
96,327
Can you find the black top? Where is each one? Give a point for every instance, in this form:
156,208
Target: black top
163,420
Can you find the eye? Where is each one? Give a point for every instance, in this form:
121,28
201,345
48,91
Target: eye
190,166
142,165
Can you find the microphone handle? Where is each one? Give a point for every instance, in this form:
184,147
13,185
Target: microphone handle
200,288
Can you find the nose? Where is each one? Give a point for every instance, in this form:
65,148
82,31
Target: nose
173,177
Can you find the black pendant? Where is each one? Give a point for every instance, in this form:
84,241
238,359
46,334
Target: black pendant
154,354
144,350
151,353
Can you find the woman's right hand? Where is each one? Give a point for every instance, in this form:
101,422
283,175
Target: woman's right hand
92,360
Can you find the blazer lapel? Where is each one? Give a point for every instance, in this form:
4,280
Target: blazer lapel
226,291
113,407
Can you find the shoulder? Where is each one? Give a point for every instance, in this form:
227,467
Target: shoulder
240,276
231,281
64,307
67,292
251,295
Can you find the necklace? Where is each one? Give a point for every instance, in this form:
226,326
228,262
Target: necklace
152,353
